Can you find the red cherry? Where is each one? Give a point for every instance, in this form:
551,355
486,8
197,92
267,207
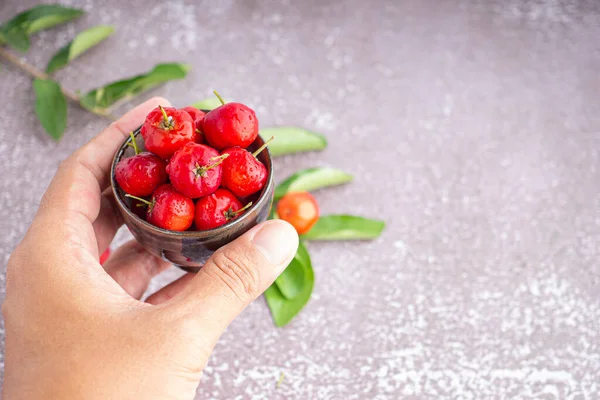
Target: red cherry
166,130
104,256
195,170
198,117
217,209
243,174
141,174
230,125
169,209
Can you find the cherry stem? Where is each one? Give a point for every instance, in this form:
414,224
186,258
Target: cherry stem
165,116
146,202
230,214
241,210
134,144
219,160
264,146
219,97
201,170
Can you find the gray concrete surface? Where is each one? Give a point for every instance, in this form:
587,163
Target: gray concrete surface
473,128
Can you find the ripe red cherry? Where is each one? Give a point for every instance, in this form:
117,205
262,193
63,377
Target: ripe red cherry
230,125
141,174
169,209
166,130
195,170
299,209
197,116
217,209
243,174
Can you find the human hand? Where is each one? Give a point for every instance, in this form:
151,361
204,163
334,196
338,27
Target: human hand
75,329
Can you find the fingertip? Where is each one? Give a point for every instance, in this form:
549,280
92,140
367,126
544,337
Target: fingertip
277,240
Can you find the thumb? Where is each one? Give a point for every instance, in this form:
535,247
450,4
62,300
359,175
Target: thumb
237,274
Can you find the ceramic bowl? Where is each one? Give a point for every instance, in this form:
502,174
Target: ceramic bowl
190,249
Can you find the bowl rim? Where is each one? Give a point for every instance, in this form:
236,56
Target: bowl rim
187,234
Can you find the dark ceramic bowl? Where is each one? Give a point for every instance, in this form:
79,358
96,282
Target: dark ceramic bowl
190,249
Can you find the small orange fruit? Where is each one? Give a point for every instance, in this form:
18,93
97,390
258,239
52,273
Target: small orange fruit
300,209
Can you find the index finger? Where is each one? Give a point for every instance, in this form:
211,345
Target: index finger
77,186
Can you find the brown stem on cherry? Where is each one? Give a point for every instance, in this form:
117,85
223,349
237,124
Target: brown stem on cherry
230,214
264,146
219,97
200,170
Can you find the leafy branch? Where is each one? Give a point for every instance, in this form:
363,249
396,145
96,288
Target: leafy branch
51,96
34,72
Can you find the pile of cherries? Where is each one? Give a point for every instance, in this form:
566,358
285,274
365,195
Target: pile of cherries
196,172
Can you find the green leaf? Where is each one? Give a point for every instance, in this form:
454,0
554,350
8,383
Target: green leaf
291,281
101,98
82,42
50,107
16,38
16,31
344,227
291,139
283,309
302,255
311,179
209,103
49,15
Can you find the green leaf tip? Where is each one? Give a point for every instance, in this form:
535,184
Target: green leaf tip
103,97
80,44
292,139
50,107
311,179
345,227
17,30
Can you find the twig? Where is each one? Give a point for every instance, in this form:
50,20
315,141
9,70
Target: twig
280,380
36,73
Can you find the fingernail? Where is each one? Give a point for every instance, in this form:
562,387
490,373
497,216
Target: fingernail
277,241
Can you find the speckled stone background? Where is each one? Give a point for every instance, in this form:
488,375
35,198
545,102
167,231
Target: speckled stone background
473,128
